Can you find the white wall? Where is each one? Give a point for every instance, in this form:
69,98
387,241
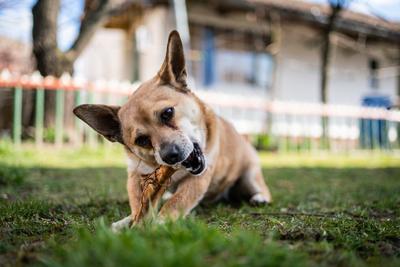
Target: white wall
388,72
152,38
298,77
107,56
298,65
349,77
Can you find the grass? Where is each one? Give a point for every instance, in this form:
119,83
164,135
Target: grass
329,210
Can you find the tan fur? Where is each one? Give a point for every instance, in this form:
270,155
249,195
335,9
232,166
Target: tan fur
231,160
229,156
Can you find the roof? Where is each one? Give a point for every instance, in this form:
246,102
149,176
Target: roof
316,15
349,21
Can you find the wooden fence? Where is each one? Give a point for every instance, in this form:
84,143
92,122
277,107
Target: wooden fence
288,125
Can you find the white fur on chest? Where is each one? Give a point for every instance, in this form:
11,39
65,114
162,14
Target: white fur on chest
139,166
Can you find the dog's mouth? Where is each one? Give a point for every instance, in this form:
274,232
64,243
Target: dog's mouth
195,163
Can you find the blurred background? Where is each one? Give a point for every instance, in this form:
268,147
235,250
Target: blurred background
291,75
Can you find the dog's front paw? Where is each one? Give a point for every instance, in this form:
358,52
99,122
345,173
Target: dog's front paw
121,224
259,199
167,195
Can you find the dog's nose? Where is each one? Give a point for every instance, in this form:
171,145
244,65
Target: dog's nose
170,153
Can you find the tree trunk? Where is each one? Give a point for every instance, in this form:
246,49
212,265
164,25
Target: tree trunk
49,59
325,64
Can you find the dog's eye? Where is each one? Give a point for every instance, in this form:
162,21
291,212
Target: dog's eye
167,114
143,141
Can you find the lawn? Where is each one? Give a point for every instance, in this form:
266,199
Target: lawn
56,206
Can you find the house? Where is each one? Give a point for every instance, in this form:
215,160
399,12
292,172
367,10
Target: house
252,49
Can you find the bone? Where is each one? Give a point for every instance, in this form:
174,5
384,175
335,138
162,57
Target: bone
153,187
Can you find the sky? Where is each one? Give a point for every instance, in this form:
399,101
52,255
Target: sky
16,20
387,9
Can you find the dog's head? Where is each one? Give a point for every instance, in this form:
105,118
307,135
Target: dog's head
162,122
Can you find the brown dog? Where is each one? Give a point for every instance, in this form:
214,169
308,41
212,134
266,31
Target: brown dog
163,122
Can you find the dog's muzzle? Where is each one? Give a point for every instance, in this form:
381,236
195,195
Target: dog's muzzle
195,163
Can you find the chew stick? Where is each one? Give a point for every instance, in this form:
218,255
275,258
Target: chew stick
153,186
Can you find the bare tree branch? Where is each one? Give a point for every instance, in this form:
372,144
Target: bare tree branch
95,15
50,60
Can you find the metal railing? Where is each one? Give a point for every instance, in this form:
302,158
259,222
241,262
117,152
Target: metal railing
297,126
288,125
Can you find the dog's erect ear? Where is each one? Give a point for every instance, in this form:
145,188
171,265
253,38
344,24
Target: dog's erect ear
103,119
173,69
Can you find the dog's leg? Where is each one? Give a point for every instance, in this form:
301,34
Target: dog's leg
189,193
133,187
252,184
134,193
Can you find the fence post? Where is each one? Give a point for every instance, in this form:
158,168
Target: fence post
306,134
17,116
325,138
59,125
92,135
39,116
78,122
108,102
397,144
347,141
375,134
284,139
